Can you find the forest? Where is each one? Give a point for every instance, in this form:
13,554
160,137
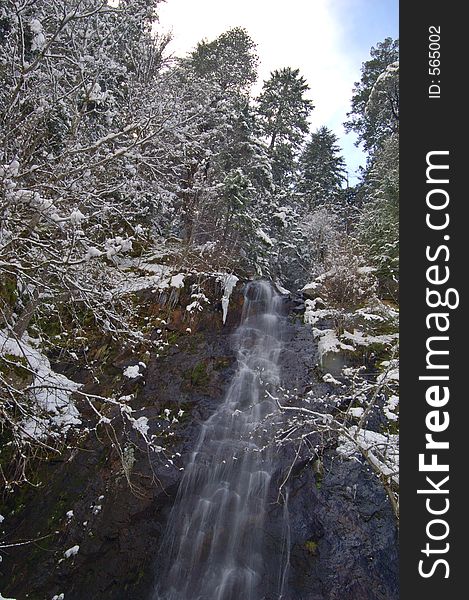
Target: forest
141,195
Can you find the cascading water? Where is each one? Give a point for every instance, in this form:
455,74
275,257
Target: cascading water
214,545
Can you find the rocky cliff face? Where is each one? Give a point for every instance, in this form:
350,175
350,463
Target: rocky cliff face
112,499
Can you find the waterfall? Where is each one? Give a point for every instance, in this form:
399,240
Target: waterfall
214,545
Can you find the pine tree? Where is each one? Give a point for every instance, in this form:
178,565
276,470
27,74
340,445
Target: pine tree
283,113
230,60
322,168
373,125
378,225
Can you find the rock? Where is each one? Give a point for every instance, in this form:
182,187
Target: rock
343,538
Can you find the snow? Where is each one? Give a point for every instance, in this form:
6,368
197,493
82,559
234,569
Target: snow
50,391
194,306
391,372
39,40
281,216
58,597
77,217
381,450
229,283
73,551
156,269
368,316
116,245
391,405
92,252
160,278
264,237
282,290
313,315
142,283
328,378
3,597
366,270
177,281
310,287
125,398
97,94
361,339
329,342
197,302
132,372
69,514
141,425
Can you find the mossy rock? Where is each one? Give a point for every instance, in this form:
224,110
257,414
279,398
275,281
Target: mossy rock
312,547
199,376
222,363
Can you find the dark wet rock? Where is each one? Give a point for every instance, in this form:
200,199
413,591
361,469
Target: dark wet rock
343,537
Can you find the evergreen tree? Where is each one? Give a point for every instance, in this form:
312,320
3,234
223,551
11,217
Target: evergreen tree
230,60
322,168
373,125
378,225
283,118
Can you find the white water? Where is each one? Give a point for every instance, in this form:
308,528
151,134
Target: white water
214,545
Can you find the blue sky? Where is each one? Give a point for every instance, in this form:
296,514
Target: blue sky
326,39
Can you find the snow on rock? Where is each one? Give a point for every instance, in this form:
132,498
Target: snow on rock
368,316
329,342
381,450
160,278
361,339
132,372
73,551
69,514
328,378
58,597
142,283
310,289
50,391
229,283
313,315
3,597
390,407
177,281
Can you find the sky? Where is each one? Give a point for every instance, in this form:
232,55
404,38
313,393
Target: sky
328,40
